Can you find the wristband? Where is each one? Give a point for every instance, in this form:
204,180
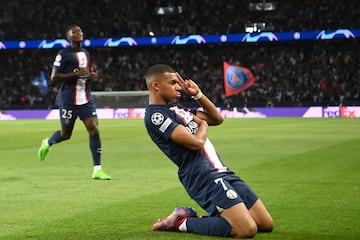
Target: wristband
198,95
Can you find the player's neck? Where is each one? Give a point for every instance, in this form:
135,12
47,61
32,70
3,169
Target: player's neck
76,45
154,100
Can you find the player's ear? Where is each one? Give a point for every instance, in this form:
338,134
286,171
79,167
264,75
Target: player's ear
155,86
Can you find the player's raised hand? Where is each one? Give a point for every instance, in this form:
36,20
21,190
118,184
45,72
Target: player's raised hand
188,86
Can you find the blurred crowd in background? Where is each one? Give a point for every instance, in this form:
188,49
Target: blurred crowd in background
287,73
45,19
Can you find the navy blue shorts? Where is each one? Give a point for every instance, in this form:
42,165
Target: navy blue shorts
225,192
69,113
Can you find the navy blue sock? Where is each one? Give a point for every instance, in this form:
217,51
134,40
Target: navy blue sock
55,138
211,226
95,148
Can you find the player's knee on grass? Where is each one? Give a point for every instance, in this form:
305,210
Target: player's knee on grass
244,230
266,226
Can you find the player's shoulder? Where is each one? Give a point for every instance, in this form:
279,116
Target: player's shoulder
157,108
159,119
64,51
155,111
150,109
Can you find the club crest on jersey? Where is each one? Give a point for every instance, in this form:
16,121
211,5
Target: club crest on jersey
192,127
157,118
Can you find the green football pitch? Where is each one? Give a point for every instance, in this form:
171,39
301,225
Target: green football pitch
306,171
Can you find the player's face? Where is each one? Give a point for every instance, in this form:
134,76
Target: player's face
169,87
75,34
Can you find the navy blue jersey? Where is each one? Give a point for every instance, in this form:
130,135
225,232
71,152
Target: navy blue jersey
75,90
196,168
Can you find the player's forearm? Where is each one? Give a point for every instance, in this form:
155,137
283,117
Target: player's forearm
59,77
201,135
81,72
212,114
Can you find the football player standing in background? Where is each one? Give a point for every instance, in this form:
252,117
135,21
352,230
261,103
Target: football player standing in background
234,210
72,70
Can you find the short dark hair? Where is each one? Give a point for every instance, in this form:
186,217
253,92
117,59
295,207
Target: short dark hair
157,69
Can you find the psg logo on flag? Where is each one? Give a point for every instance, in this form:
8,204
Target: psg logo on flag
236,79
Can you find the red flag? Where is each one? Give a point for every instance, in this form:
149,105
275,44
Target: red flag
236,79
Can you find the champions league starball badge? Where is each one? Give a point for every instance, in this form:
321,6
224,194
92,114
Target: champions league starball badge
157,118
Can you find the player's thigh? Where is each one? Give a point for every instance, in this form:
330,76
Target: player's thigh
261,216
91,125
88,115
256,207
248,196
87,110
229,196
68,115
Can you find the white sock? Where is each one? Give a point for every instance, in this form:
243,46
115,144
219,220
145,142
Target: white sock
97,168
182,227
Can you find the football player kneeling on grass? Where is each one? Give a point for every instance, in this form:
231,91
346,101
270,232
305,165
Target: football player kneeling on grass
234,210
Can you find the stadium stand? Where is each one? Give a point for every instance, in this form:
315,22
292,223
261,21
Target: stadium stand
287,73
